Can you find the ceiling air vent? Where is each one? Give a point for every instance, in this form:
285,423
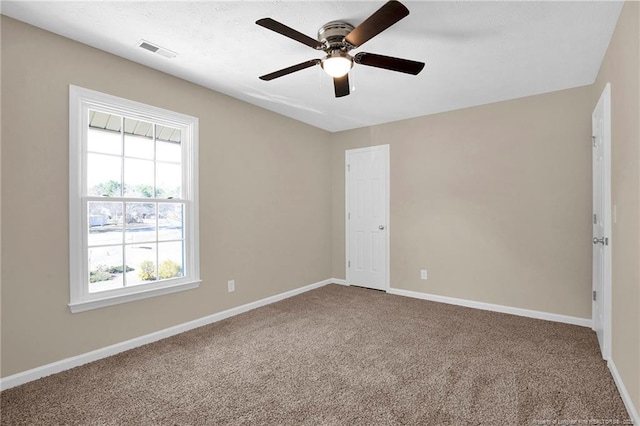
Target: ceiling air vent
157,49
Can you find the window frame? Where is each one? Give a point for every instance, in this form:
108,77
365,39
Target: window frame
81,100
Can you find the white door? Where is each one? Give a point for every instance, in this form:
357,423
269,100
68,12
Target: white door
367,207
601,219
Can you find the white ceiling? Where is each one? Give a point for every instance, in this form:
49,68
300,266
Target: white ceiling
475,52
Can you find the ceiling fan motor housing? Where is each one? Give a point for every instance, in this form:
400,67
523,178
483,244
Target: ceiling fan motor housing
332,35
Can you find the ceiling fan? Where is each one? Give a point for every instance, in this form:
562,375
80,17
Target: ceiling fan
337,38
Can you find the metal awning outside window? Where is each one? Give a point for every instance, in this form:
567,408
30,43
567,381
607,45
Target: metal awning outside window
113,123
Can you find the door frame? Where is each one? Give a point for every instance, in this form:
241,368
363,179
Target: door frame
384,148
605,298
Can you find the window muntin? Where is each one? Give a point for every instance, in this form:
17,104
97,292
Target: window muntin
137,198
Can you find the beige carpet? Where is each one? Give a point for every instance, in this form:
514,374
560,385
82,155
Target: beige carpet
340,356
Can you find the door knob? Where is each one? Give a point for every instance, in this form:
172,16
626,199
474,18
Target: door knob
381,227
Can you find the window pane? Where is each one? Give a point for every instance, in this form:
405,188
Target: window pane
168,144
170,221
169,151
169,177
105,223
138,146
141,222
171,257
138,178
103,175
104,141
138,139
142,257
105,268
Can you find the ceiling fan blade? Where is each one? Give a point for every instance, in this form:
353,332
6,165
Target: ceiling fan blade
276,26
390,13
289,70
341,85
389,63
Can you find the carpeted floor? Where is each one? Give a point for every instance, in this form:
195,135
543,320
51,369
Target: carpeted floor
341,356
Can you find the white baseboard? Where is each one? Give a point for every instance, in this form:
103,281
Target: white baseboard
626,398
68,363
583,322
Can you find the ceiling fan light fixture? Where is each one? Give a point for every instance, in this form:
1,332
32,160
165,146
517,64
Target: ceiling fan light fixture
337,64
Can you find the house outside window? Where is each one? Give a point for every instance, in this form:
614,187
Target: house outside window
133,200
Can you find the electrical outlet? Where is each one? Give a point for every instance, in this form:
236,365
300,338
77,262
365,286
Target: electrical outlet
231,285
423,274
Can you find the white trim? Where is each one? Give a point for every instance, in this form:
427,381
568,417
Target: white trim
68,363
626,398
583,322
388,213
124,298
387,149
80,101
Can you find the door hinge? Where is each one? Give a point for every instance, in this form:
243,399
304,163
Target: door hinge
349,264
594,295
604,241
348,167
349,215
593,141
595,218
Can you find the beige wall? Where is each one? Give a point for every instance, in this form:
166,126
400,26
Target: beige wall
263,179
494,201
621,67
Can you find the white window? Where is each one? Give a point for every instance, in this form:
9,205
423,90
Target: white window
133,200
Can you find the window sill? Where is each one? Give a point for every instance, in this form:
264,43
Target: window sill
88,305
